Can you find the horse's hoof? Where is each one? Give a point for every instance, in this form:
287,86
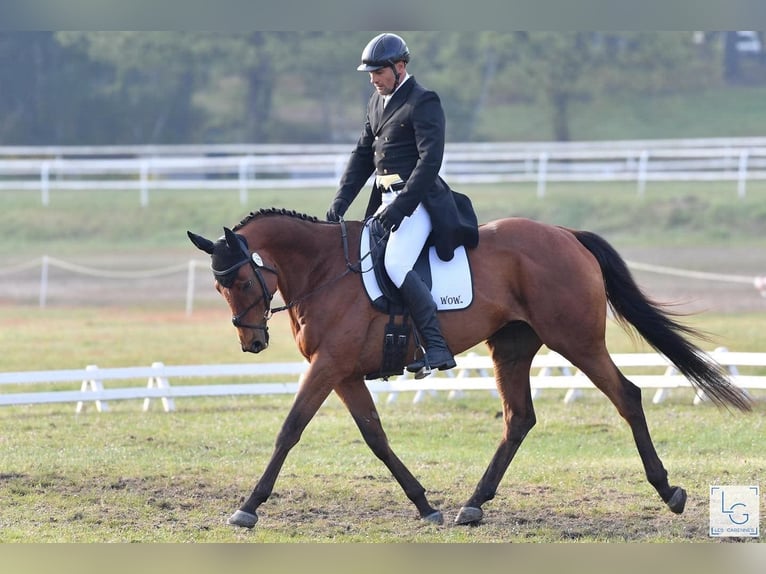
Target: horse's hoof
243,519
435,517
677,502
469,515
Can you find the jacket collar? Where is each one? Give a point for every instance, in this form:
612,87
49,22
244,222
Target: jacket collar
381,114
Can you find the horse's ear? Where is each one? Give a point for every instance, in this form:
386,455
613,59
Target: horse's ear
231,239
203,244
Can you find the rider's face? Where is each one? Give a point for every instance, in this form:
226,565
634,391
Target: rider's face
384,80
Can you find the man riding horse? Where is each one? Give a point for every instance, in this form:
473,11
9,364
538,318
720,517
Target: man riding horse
402,143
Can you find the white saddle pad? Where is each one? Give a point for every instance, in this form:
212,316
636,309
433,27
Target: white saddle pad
451,288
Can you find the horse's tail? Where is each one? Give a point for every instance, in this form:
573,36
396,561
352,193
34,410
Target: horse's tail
654,323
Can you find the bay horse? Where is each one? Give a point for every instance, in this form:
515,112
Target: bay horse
535,284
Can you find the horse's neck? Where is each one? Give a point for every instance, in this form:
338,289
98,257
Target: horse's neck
306,254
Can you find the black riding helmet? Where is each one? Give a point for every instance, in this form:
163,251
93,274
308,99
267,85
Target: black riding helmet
384,50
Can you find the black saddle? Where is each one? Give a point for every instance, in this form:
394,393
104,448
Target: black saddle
391,302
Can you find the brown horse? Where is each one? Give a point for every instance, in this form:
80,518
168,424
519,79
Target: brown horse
534,284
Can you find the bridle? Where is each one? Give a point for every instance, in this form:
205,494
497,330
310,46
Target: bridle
257,264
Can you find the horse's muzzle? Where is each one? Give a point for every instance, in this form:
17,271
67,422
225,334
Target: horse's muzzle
255,347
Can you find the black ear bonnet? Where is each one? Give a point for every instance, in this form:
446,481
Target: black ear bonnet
227,259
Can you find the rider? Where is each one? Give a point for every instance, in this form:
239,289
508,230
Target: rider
402,143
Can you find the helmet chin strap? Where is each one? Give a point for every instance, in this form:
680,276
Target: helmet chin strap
396,76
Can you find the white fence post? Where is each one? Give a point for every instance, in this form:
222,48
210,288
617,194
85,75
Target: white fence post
44,282
92,385
45,196
244,173
742,174
661,393
190,280
542,172
168,404
643,162
144,184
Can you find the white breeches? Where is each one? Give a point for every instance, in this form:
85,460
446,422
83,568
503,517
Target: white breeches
406,243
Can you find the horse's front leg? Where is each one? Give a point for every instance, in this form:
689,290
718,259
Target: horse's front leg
358,400
308,399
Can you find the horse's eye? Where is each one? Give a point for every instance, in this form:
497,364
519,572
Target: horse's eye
248,285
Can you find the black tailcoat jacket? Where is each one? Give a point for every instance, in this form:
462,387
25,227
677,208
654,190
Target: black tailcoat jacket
407,138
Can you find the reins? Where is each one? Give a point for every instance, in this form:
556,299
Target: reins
356,268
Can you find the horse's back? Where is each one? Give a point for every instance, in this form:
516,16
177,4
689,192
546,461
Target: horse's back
542,265
541,243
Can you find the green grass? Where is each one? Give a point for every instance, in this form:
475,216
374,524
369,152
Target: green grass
175,477
114,223
128,476
71,338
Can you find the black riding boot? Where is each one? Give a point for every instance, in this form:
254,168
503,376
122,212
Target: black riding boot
422,308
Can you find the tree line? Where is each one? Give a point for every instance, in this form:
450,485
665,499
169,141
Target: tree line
98,88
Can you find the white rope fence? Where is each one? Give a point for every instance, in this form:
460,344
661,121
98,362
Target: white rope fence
111,274
46,262
758,282
190,267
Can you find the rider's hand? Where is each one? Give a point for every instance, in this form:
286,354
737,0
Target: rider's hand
337,208
390,218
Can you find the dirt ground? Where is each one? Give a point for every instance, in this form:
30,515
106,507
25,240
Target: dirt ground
191,508
66,287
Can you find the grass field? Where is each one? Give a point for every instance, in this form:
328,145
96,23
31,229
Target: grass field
71,338
175,477
148,477
87,222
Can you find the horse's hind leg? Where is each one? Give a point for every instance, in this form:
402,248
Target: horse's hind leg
626,396
512,349
358,400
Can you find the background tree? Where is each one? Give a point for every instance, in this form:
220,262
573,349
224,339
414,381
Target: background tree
263,86
564,68
152,82
319,70
41,95
460,67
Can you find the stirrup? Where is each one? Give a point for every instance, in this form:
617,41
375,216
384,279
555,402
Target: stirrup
425,370
428,366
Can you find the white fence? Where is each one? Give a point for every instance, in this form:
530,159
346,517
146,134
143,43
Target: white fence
473,373
244,167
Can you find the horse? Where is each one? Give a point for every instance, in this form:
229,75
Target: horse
535,284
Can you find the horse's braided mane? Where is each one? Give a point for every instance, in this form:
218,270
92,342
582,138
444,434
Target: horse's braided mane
265,212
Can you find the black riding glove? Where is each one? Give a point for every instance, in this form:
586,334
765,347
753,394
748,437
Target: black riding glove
390,218
337,208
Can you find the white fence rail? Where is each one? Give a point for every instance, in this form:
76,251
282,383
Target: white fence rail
473,372
244,167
